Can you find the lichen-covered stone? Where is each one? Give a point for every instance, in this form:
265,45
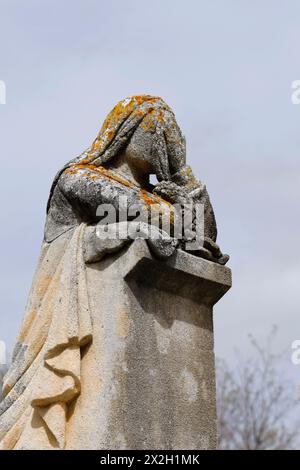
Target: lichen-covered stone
118,330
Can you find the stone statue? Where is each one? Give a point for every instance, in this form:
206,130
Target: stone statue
69,382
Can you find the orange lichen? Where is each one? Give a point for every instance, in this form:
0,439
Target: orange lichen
145,108
151,201
147,111
158,204
98,172
149,123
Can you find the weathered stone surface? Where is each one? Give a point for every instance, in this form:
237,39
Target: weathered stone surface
116,345
148,379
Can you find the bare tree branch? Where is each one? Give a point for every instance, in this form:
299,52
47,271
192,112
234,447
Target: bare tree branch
255,403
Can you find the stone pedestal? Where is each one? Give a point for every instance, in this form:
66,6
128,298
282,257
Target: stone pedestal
150,372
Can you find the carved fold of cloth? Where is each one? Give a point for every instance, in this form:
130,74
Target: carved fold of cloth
44,377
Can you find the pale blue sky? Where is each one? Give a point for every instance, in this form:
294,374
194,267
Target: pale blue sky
226,68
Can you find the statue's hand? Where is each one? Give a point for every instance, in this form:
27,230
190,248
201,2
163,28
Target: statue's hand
171,192
160,243
210,251
214,250
182,188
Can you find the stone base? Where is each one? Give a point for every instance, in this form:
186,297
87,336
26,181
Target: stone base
149,376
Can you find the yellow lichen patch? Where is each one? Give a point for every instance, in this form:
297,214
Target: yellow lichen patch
99,171
149,122
149,198
108,174
114,119
154,116
157,204
148,109
153,202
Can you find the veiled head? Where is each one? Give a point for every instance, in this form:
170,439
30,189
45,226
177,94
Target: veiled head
146,129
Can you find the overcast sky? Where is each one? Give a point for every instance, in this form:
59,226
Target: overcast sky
225,67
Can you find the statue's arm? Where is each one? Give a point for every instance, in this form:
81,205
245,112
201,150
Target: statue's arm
86,193
184,188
